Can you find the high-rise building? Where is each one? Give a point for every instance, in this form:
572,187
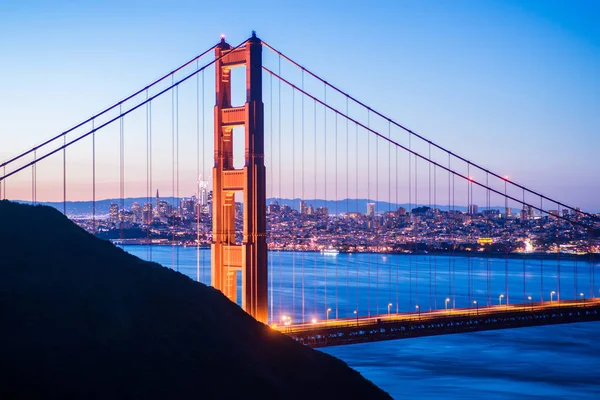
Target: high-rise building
370,209
473,209
136,210
524,214
303,208
273,207
113,213
203,193
401,212
157,208
322,211
147,213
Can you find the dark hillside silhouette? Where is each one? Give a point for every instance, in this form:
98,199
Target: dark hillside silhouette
81,318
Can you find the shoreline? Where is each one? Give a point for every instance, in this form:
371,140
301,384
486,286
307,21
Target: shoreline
588,257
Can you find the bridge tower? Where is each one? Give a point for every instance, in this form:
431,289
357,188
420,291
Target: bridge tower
250,256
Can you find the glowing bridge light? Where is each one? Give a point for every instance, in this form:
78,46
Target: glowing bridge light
314,320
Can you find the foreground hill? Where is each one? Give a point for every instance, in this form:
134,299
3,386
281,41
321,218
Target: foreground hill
79,317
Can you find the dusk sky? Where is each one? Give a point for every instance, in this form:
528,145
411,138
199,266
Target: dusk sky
511,85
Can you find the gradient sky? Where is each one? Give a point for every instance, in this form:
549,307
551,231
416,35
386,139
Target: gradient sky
512,85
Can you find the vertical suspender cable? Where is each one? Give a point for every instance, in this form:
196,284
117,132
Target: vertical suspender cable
271,190
507,247
435,240
33,179
326,217
93,177
347,207
315,199
417,258
542,258
356,244
471,210
279,183
293,199
303,197
411,223
150,167
487,221
451,223
178,200
575,279
376,226
173,209
148,190
370,217
64,176
454,241
122,175
198,189
397,256
524,280
336,214
430,241
389,294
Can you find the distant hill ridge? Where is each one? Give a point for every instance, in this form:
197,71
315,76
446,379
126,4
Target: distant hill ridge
339,206
81,318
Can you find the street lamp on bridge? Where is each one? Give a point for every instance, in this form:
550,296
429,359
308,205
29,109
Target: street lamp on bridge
500,299
530,302
583,296
419,311
356,313
552,293
389,305
446,303
327,315
476,307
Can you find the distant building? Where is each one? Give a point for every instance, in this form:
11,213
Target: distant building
401,212
303,207
273,208
370,209
473,209
136,210
147,215
113,213
322,211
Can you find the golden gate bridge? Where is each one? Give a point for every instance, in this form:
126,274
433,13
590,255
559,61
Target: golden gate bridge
279,130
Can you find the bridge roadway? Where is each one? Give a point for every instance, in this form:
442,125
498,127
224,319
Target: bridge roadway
438,322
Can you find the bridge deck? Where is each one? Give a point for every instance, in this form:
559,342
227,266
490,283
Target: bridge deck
407,325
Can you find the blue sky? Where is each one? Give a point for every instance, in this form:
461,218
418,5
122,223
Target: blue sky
512,85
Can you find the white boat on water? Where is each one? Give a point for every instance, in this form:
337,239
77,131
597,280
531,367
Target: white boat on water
330,252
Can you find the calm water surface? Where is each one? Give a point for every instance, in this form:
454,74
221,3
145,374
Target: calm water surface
557,362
